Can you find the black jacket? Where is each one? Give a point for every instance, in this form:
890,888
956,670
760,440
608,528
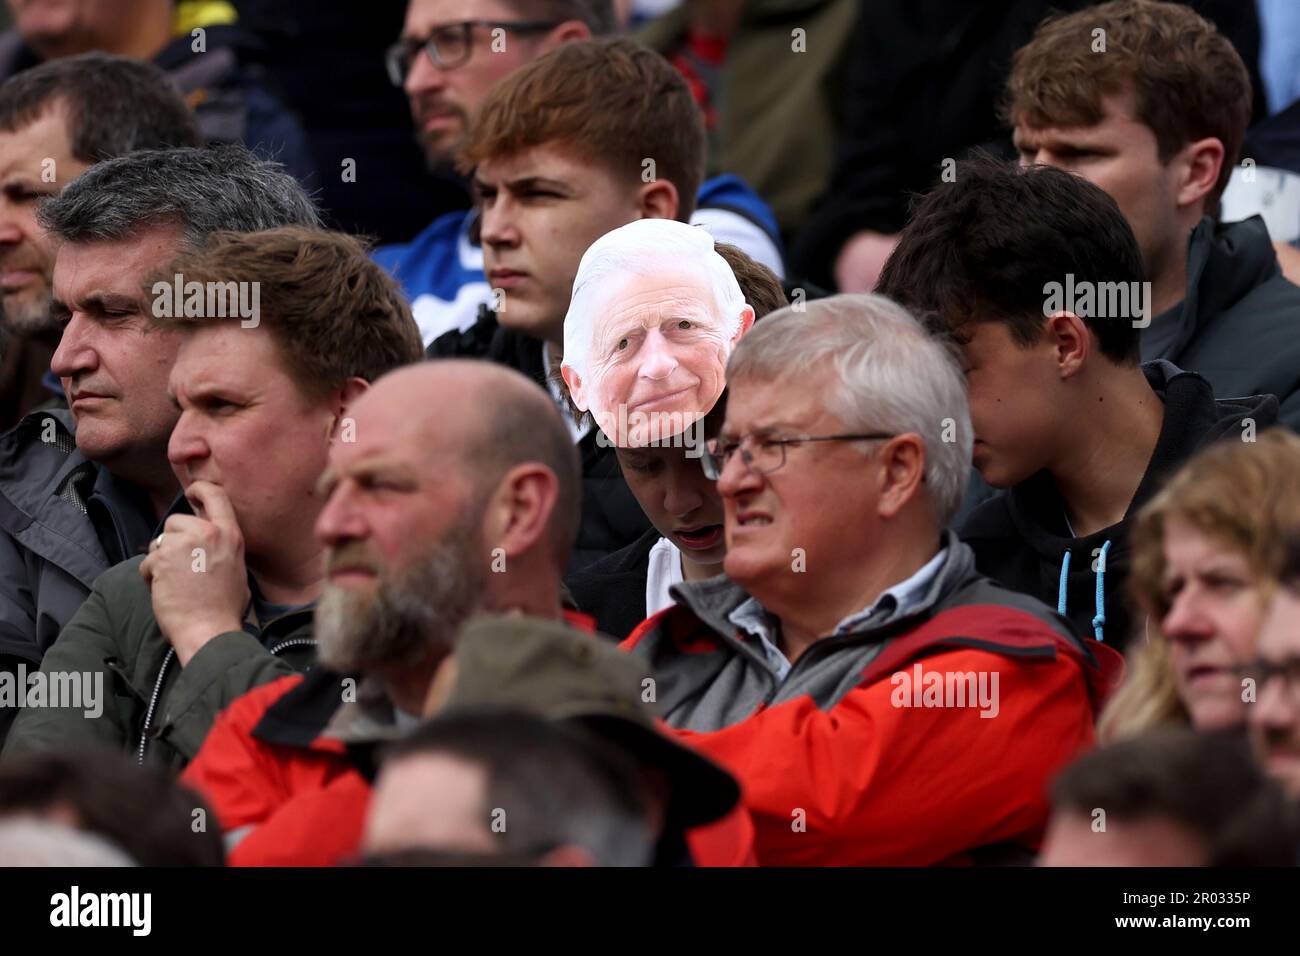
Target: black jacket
612,590
1019,536
1239,325
611,517
233,99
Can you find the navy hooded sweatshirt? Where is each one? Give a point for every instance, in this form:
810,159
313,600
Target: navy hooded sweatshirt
1020,538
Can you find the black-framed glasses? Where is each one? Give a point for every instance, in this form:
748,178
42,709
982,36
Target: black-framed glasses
1263,672
449,45
765,455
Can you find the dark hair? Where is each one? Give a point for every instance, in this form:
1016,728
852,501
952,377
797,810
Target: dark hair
987,246
115,105
598,15
611,102
141,809
204,190
557,784
1208,783
333,312
759,284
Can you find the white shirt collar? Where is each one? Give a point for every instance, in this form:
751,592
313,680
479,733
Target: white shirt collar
664,570
906,594
752,618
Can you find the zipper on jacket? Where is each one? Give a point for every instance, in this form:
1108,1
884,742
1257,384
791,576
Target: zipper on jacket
292,642
153,704
162,676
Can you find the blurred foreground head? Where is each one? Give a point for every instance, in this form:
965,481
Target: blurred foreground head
1173,797
476,784
138,808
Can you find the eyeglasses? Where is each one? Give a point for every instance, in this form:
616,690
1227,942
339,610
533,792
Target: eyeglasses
1262,672
450,44
767,454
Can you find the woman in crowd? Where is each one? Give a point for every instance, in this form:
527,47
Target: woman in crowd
1207,551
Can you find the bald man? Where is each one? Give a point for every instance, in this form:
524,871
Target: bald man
429,517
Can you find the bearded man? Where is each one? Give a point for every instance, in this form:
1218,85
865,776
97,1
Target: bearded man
429,517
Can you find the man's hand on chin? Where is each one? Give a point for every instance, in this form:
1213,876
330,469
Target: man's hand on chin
196,574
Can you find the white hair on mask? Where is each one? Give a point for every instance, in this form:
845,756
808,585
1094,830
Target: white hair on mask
647,247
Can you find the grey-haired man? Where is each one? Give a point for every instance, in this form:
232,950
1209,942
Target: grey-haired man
57,120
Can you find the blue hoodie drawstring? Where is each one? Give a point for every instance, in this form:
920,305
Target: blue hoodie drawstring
1060,591
1099,621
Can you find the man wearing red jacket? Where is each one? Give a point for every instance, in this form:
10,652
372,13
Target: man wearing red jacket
880,702
430,517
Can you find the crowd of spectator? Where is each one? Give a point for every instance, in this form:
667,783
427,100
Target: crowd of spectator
805,433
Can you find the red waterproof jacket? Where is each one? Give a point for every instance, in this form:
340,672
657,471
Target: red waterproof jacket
288,793
922,739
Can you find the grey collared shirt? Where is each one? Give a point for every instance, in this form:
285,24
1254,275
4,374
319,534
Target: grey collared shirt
755,620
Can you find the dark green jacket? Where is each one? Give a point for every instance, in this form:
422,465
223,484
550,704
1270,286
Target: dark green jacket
51,551
779,109
115,640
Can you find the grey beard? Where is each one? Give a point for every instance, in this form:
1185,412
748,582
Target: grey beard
30,321
412,618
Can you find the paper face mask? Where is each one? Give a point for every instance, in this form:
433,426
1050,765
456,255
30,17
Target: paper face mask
646,347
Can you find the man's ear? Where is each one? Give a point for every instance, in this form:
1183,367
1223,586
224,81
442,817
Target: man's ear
566,32
746,323
658,200
903,468
519,513
574,382
1202,162
352,389
1071,342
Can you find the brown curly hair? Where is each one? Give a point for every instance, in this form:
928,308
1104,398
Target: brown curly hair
1187,79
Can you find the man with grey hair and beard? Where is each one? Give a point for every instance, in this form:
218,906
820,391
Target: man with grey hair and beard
57,120
851,667
84,489
429,518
